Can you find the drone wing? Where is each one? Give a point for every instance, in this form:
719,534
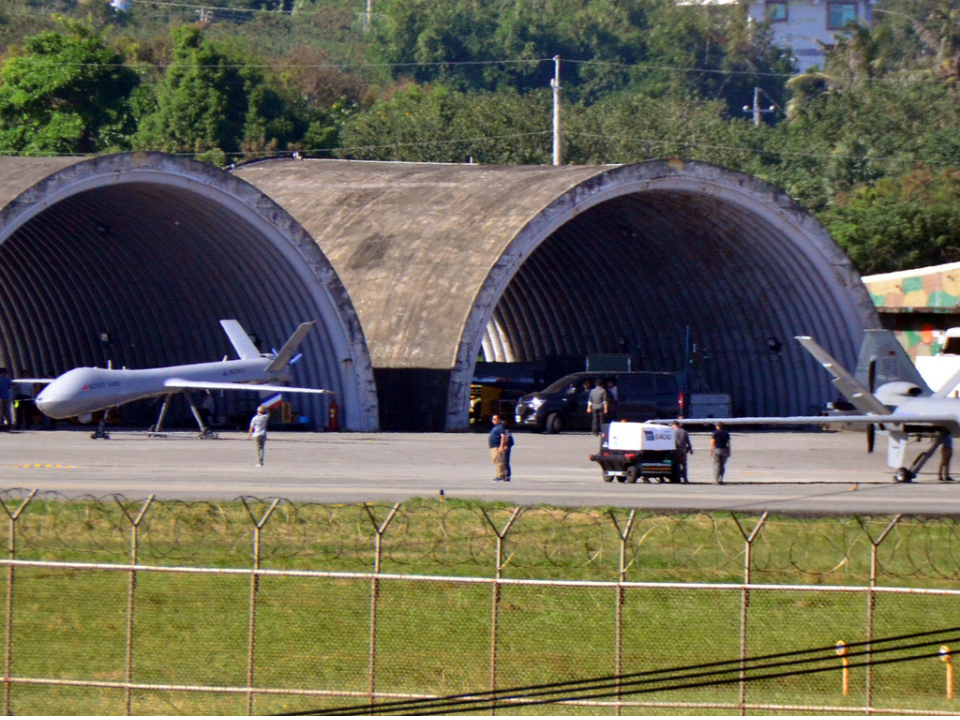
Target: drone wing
178,384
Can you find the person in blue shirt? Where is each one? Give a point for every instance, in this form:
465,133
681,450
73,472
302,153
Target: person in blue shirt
6,400
500,441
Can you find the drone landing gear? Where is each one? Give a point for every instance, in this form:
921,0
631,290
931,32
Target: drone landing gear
101,432
206,433
905,475
157,430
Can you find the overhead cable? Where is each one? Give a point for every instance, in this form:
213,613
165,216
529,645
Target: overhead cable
678,678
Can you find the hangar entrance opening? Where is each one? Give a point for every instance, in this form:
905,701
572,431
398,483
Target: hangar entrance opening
138,275
632,274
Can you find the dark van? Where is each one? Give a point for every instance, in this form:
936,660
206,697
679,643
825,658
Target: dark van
636,396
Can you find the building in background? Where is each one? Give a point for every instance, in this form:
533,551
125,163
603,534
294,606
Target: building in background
918,305
806,26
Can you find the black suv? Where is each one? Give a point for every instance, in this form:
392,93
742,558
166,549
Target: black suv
635,397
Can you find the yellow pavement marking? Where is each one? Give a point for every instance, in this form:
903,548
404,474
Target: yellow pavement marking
40,465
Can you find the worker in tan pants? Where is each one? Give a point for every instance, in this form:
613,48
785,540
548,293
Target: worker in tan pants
501,442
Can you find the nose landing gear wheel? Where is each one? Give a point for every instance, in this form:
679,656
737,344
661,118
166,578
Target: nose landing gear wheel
903,476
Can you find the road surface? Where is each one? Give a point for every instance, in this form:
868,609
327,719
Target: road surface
811,472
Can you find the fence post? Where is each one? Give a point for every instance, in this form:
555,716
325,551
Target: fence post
131,591
380,529
624,533
845,664
872,602
495,609
748,539
254,589
8,630
945,656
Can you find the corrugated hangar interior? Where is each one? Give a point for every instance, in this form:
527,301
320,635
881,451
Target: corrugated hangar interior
448,263
132,260
416,270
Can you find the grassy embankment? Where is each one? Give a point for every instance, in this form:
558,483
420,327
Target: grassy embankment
435,637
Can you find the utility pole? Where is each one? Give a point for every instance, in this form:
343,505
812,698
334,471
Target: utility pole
555,84
757,111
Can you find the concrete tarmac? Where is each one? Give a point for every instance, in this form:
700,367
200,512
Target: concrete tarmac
797,473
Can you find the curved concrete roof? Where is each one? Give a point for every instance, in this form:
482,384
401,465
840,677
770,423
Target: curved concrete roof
445,261
133,259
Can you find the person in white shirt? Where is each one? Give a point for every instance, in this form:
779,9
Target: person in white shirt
258,431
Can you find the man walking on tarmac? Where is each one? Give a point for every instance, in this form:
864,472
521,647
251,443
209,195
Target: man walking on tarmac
258,431
720,451
501,441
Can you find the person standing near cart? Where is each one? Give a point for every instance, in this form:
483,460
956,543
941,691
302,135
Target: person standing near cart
258,431
598,404
6,400
684,448
501,442
946,452
720,451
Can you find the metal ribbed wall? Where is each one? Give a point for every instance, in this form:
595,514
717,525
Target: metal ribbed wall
632,274
632,261
443,262
139,273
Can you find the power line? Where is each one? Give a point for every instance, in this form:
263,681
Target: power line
758,151
679,678
192,6
665,145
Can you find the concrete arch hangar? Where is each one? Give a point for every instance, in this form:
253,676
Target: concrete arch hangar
448,263
133,259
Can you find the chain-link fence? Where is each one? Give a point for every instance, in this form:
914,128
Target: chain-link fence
115,606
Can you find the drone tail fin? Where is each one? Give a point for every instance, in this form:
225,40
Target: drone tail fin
289,349
240,340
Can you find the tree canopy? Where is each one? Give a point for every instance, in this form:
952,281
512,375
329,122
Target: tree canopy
870,142
65,93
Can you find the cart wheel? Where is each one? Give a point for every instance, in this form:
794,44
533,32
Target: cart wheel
606,478
632,473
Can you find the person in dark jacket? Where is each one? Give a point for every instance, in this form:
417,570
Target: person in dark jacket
720,451
598,404
6,400
684,448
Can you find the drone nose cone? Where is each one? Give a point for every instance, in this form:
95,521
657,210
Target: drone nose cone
57,400
49,404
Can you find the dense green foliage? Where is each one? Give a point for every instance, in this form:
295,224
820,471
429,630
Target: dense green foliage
870,142
66,94
908,220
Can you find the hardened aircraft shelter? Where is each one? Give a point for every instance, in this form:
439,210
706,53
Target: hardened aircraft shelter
132,260
413,271
448,263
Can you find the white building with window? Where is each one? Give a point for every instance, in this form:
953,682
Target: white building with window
803,25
